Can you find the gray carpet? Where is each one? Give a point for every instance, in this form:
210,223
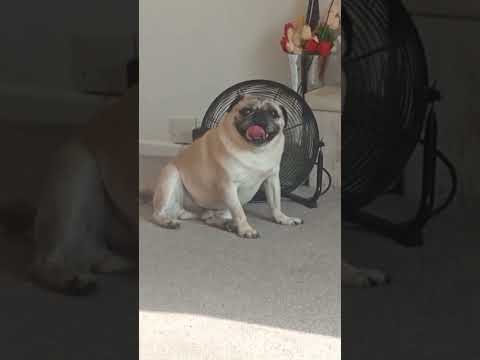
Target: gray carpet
430,311
36,323
207,294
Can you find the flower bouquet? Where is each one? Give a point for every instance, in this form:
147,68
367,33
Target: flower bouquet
309,44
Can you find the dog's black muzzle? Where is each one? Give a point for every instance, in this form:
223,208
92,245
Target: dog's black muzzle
261,118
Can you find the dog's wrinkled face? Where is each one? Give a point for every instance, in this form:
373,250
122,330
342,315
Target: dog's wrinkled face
258,120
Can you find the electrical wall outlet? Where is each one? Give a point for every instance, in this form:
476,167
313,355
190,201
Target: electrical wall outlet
180,129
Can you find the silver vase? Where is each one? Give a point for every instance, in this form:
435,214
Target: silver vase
306,72
295,66
313,78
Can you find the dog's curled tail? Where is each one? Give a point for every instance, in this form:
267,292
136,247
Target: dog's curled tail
16,218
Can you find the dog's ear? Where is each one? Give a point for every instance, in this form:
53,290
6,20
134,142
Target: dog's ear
235,102
285,114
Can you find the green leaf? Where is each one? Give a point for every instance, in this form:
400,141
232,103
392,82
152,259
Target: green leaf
324,32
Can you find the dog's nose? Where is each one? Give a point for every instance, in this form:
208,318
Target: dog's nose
258,117
262,118
265,120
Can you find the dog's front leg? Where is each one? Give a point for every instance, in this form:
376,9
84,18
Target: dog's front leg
273,194
239,223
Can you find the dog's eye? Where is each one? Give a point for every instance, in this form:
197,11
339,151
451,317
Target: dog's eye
274,113
246,111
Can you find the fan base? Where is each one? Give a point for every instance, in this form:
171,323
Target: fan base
310,203
408,234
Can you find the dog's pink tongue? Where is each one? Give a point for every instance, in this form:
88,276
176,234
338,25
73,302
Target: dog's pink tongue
256,132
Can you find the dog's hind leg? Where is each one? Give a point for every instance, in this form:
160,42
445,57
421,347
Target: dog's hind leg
167,200
217,218
71,222
113,263
56,274
187,215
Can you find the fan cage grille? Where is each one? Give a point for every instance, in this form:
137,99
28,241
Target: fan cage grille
385,83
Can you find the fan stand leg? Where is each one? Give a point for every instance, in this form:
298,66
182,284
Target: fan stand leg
408,233
312,202
399,187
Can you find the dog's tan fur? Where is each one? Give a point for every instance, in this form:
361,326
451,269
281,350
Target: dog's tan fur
88,211
219,173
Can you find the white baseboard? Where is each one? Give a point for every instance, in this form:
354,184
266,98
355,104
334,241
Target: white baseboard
158,148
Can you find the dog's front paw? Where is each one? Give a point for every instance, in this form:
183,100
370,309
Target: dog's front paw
362,277
249,233
165,221
287,220
81,284
244,231
372,278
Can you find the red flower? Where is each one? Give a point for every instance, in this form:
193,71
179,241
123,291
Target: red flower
286,27
324,47
311,45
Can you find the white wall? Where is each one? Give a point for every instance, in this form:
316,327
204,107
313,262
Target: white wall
191,51
449,8
37,62
36,37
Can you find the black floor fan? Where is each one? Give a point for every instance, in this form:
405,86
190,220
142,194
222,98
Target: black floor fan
388,110
303,146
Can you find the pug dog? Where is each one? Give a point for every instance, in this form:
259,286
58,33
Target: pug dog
220,172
